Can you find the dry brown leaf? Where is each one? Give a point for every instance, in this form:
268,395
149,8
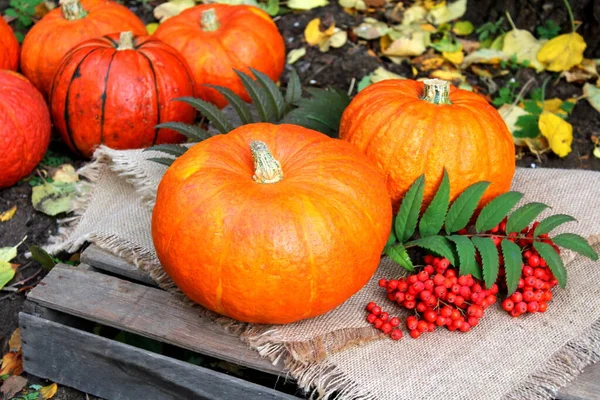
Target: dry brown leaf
8,214
428,62
12,385
469,46
47,392
12,364
583,72
14,343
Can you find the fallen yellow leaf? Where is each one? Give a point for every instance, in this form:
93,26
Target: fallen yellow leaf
8,214
558,132
12,364
445,13
448,75
65,173
172,8
295,54
47,392
14,343
483,56
413,14
306,4
592,95
410,42
151,28
524,46
382,74
597,151
455,57
313,33
563,52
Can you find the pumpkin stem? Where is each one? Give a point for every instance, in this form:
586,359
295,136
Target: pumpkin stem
125,41
437,91
266,168
72,9
209,21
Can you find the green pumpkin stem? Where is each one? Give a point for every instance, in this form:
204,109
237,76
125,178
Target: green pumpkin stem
72,9
126,41
209,21
266,168
437,91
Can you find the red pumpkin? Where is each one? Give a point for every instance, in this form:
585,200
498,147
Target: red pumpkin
114,90
411,128
215,39
24,127
65,27
9,47
271,223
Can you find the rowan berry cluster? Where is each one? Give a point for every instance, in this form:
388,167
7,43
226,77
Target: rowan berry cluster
381,320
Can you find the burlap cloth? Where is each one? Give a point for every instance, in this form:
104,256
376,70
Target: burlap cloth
339,353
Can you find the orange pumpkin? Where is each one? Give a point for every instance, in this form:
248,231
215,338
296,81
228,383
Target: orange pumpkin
65,27
215,39
271,223
9,47
115,89
410,128
24,127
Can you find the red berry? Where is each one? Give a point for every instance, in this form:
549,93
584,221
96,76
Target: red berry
446,312
521,283
409,297
462,280
528,296
473,321
430,316
533,261
547,295
396,334
428,259
527,271
430,327
530,280
440,321
429,269
515,313
409,304
412,279
438,279
439,291
378,323
371,318
457,323
455,288
422,326
384,316
450,298
521,307
415,334
491,299
391,296
386,328
459,301
418,286
542,306
423,276
540,273
476,288
538,295
383,282
450,273
370,306
508,305
376,310
466,327
394,321
425,295
516,297
533,306
402,286
421,307
455,315
493,289
465,292
444,263
399,297
447,283
392,285
527,254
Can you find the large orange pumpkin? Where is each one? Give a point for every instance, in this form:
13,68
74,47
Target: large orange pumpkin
271,223
215,39
24,127
61,29
115,89
410,128
9,47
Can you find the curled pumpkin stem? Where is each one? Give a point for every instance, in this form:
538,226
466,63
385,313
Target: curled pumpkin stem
209,20
266,168
437,91
72,9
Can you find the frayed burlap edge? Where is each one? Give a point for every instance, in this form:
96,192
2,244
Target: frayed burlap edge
305,361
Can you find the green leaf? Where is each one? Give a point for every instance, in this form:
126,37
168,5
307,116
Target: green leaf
532,107
576,243
53,198
399,255
553,221
464,206
190,131
528,125
211,112
272,7
553,260
162,160
273,93
523,216
513,261
495,211
406,220
489,259
437,244
433,218
391,239
171,149
293,92
260,99
567,106
41,256
466,256
241,108
8,253
7,272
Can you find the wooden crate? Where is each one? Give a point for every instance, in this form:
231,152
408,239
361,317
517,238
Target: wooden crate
58,344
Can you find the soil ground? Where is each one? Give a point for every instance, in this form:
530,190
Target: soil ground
336,68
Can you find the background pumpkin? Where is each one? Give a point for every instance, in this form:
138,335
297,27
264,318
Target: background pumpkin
24,127
215,39
61,29
271,252
409,128
9,47
115,89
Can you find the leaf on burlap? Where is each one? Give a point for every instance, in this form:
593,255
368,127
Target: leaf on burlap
563,52
553,221
399,255
553,260
576,243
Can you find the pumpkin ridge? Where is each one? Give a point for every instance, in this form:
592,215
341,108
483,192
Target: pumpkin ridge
156,91
103,96
67,117
112,42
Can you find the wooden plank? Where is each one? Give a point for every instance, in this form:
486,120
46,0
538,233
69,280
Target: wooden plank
143,310
104,260
585,387
115,370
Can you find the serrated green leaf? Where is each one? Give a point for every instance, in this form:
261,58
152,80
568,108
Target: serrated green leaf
41,256
433,218
241,108
464,206
550,223
523,216
273,93
532,107
576,243
513,261
466,256
399,255
437,244
553,260
529,127
162,160
171,149
495,211
406,219
260,98
489,259
391,239
190,131
567,106
211,112
293,92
